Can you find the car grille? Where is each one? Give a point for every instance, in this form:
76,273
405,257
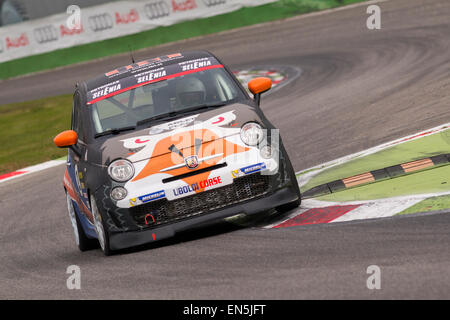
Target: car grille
164,211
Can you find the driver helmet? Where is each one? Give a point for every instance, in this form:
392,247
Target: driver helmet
190,91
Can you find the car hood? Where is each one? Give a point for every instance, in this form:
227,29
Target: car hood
174,136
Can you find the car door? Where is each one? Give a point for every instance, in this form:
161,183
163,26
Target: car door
77,155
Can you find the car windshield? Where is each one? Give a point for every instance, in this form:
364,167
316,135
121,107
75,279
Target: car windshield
168,97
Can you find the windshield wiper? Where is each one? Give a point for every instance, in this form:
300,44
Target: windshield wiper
180,112
114,131
158,117
204,106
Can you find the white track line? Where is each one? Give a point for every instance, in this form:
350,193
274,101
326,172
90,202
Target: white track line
35,168
313,203
374,210
369,209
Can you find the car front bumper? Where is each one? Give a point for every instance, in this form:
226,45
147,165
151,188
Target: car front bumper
121,240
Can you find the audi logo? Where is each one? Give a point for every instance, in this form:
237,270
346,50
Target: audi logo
211,3
157,9
101,22
45,34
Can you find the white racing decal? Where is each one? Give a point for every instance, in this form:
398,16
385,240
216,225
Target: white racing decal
217,121
159,132
192,188
210,183
105,90
180,123
248,170
195,64
151,75
147,198
155,135
153,196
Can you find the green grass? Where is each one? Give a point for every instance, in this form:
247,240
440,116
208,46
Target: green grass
428,181
435,144
27,130
430,204
160,35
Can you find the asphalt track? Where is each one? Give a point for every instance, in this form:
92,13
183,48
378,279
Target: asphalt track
358,88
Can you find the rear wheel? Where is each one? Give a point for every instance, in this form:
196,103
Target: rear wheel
83,242
102,234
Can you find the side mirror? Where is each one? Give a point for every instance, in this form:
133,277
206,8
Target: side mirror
258,86
66,139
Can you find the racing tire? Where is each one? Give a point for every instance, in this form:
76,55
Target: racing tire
295,185
83,242
102,233
294,204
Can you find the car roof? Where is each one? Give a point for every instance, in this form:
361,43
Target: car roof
137,67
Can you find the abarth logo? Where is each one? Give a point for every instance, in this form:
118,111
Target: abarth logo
191,162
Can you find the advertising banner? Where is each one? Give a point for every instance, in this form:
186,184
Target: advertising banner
106,21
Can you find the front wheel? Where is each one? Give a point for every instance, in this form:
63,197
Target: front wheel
294,204
102,234
83,242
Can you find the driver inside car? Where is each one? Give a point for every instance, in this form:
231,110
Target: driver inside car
190,92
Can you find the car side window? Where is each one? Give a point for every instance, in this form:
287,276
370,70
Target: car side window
76,115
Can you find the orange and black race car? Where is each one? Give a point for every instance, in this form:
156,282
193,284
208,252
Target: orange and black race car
166,144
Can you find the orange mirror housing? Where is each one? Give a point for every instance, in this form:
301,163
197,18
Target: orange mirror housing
259,85
66,139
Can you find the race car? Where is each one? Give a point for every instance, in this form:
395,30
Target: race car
162,145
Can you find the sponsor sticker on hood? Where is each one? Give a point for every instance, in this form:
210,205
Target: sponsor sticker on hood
182,133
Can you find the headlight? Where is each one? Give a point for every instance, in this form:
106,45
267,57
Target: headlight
119,193
121,170
252,133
